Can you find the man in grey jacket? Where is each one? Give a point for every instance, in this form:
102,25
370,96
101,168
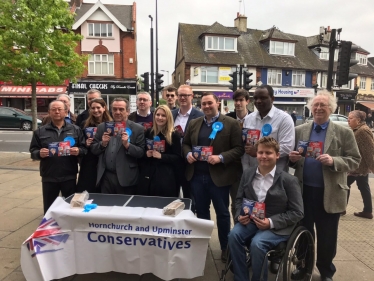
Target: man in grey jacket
281,194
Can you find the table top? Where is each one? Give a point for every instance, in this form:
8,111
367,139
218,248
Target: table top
133,200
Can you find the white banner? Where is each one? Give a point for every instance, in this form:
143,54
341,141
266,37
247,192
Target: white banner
293,92
120,239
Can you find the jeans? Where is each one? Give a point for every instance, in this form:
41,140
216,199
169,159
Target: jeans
262,242
204,191
363,186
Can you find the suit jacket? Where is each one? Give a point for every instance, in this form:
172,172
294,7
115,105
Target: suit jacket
126,160
283,201
228,143
193,115
341,145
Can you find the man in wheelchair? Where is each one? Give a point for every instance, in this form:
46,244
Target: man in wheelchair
281,194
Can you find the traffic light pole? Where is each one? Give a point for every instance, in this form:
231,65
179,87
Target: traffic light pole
333,45
241,77
152,68
157,93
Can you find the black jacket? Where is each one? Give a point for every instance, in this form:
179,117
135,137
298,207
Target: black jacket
57,169
233,114
82,117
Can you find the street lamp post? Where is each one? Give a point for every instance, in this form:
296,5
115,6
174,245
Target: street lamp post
167,71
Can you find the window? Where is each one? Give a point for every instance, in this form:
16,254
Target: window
372,83
298,78
274,77
363,83
282,48
220,43
5,111
362,59
101,65
100,30
209,74
324,54
324,80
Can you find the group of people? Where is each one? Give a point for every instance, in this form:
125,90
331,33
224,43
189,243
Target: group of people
155,156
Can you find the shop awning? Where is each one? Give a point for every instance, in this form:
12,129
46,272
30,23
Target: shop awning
367,104
25,91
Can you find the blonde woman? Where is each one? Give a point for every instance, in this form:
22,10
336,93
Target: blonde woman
158,168
365,143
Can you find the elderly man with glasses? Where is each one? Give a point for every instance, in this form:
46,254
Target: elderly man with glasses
69,118
331,152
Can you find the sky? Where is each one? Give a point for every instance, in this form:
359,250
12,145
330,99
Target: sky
301,17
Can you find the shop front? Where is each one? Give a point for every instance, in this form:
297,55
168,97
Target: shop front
346,101
109,90
365,103
20,97
293,99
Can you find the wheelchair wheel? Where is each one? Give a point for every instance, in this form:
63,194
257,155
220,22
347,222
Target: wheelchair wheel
299,254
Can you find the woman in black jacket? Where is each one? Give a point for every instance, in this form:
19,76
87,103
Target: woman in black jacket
98,113
158,174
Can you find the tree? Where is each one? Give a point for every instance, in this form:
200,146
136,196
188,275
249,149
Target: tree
37,44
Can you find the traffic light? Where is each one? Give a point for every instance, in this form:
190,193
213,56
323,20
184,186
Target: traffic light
345,62
159,82
233,81
145,76
247,80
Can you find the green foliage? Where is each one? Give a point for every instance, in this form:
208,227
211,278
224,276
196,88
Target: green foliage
37,43
162,101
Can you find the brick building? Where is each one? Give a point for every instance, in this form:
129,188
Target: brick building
110,43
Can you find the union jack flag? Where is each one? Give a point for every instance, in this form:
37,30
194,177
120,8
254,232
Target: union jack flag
46,238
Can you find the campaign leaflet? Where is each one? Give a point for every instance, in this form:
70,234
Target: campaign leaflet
179,130
155,145
311,149
146,125
247,207
253,136
258,210
201,153
90,132
115,128
59,149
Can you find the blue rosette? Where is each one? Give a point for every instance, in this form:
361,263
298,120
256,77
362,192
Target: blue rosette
216,127
128,132
266,130
71,140
156,138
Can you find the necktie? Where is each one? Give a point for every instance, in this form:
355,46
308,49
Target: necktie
318,128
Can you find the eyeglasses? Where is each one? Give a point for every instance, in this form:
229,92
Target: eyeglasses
170,96
57,109
321,105
184,95
142,99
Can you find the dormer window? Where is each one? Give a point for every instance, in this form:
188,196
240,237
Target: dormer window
324,54
220,43
282,48
362,59
100,30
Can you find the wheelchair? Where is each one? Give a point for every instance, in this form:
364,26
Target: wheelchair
296,253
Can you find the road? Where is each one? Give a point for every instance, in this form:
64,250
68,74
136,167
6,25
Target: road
15,141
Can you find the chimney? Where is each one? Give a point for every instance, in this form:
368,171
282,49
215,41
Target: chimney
241,22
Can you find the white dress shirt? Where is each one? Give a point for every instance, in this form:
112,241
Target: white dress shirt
283,131
261,184
182,119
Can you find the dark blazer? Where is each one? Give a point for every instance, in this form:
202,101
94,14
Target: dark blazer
233,114
228,143
194,114
341,145
283,201
126,160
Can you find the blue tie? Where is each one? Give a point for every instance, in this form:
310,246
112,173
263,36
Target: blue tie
318,129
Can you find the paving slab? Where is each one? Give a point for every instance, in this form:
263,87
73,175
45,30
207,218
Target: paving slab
7,204
36,203
15,276
353,271
26,193
15,239
4,233
10,260
8,177
18,217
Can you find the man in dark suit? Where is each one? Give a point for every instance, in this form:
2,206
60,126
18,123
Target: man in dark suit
182,117
211,179
281,194
117,171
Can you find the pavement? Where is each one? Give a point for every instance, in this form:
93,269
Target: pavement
21,210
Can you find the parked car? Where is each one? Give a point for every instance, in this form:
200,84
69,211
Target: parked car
11,117
336,118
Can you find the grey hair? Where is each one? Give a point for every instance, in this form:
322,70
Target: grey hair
144,93
65,106
92,91
361,115
121,99
63,95
331,99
